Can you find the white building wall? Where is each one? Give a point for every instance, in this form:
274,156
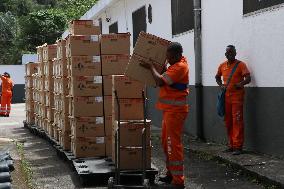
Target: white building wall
29,58
161,25
17,72
259,40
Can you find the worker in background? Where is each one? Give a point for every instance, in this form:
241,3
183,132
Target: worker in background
234,98
173,102
7,93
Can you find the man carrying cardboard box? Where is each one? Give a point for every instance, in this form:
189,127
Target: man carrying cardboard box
173,102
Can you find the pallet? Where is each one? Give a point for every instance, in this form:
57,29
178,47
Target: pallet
91,171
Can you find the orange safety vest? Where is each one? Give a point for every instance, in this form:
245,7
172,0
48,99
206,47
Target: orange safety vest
7,86
172,98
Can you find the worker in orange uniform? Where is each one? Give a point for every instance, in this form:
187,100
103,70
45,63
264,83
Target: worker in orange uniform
7,93
234,98
174,104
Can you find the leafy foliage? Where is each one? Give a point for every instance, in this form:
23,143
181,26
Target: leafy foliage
25,24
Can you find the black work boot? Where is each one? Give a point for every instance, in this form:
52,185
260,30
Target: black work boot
237,152
228,150
166,179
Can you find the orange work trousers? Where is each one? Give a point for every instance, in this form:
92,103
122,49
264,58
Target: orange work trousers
5,104
234,120
172,128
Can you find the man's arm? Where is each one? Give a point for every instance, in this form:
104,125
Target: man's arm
157,77
246,81
219,81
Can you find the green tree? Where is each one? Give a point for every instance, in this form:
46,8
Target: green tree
41,27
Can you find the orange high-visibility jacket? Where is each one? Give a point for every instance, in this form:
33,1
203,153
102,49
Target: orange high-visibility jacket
170,98
7,86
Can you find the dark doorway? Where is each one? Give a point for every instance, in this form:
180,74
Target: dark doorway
139,23
113,28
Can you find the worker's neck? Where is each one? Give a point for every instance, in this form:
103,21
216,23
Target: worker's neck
231,61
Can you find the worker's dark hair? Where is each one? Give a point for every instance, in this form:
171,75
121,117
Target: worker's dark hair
8,75
231,46
175,48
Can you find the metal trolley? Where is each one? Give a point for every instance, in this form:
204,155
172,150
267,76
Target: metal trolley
115,182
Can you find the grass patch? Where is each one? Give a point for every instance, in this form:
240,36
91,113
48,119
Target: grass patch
25,166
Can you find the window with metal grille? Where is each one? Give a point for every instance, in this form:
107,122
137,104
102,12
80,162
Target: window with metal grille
113,28
255,5
182,16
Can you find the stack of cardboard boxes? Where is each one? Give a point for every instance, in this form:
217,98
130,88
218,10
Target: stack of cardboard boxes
38,83
85,94
129,93
115,54
31,70
62,130
49,53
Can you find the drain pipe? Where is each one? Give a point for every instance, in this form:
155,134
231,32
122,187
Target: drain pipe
198,69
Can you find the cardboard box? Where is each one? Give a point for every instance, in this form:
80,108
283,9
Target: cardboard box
49,52
61,49
82,45
31,68
107,105
151,49
86,86
50,130
28,94
108,125
39,50
108,146
49,99
30,117
127,87
50,114
84,27
64,123
88,147
131,132
85,65
135,71
88,127
48,68
107,81
86,106
114,64
49,84
56,133
60,68
127,155
28,82
65,140
130,109
115,44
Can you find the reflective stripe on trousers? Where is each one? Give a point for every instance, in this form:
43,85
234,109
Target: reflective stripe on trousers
172,144
173,102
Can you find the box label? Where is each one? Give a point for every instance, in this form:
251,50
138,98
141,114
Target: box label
98,79
99,120
96,59
100,140
95,38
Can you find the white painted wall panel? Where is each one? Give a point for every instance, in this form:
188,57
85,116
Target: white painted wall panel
259,40
17,72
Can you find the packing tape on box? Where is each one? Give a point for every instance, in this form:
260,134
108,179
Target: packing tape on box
100,140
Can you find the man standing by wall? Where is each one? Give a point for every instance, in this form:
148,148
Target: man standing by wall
173,102
7,93
234,98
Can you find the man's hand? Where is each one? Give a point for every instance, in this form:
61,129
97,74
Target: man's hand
239,86
145,64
